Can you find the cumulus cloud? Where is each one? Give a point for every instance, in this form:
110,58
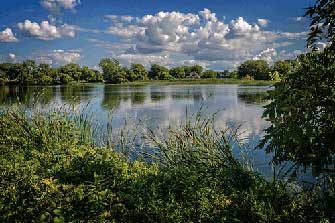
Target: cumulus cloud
57,5
263,22
60,57
147,60
7,36
200,37
266,55
46,31
124,32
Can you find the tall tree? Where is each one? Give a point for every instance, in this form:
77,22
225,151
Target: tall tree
112,71
258,69
322,15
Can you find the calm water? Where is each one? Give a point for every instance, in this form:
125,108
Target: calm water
157,106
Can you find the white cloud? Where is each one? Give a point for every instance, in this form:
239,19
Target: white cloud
266,55
147,60
7,36
46,31
263,22
57,5
123,18
298,19
198,37
12,56
60,57
8,58
124,32
208,15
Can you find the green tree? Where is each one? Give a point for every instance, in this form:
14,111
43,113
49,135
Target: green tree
258,69
27,71
159,72
72,70
178,72
322,16
197,68
302,114
209,74
43,75
137,72
112,71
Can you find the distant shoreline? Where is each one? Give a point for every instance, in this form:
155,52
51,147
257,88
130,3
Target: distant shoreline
166,82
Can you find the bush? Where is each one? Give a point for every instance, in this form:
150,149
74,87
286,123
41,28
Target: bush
51,170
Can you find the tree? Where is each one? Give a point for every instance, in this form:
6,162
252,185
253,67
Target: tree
178,72
197,68
159,72
137,72
302,114
209,74
43,74
112,71
322,15
258,69
72,70
27,71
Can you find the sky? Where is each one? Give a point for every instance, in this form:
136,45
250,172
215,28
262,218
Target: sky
217,34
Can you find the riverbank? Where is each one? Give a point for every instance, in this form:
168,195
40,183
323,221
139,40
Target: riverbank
170,82
200,81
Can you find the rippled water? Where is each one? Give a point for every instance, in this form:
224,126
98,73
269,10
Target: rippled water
157,106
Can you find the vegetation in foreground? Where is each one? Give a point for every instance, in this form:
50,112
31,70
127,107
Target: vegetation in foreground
52,170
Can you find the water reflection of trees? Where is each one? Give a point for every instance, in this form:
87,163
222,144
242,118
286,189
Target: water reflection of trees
76,93
252,98
26,94
114,95
158,95
194,93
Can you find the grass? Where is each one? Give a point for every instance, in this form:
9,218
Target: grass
53,171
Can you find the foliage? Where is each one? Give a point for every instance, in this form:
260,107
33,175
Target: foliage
258,69
302,114
209,74
323,22
29,73
283,67
158,72
137,72
51,171
178,72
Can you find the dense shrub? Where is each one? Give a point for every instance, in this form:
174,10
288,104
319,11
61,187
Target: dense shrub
51,171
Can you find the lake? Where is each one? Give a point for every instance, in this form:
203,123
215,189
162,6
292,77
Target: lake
157,106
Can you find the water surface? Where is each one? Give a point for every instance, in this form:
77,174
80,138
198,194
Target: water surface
157,106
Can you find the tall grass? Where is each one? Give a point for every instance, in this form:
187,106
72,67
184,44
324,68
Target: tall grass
52,168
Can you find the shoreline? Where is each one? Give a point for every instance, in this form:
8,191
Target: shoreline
166,82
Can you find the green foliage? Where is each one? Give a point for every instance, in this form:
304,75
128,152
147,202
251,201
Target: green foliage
51,171
178,72
258,69
322,22
112,71
284,67
159,72
302,114
209,74
137,72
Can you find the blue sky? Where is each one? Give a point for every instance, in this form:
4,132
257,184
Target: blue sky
218,34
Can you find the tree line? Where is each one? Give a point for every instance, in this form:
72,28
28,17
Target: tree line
30,73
